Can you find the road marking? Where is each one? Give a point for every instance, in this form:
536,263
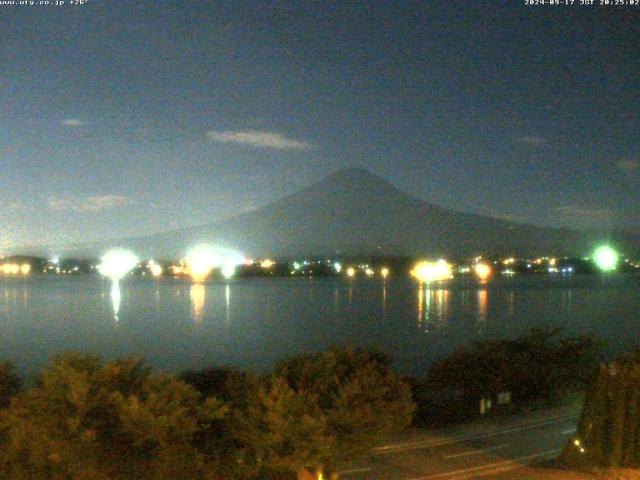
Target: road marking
387,449
566,432
492,465
354,470
475,452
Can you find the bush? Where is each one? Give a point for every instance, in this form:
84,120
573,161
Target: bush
9,383
538,366
357,391
87,420
313,411
609,428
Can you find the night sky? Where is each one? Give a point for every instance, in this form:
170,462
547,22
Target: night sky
126,118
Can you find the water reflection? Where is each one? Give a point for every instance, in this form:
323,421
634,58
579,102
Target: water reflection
433,307
68,312
567,306
567,301
464,297
227,305
115,299
510,298
197,294
483,307
384,299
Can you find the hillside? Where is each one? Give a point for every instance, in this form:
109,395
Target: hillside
355,212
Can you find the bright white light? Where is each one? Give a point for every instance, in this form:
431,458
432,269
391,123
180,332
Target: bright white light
351,272
201,260
338,267
228,269
606,258
154,268
117,263
115,298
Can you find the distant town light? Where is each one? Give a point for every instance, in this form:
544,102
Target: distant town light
384,272
268,263
606,258
178,269
115,264
201,260
351,272
154,268
369,272
482,270
14,268
228,269
432,271
338,267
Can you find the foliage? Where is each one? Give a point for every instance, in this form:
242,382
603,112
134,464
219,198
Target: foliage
9,383
357,391
91,421
532,367
313,411
286,429
609,429
87,420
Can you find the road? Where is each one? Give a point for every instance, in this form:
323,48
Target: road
492,448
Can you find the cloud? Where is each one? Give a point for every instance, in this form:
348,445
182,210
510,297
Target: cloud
629,165
93,203
72,122
533,140
254,138
587,214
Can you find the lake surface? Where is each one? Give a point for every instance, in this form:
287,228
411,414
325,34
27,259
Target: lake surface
252,323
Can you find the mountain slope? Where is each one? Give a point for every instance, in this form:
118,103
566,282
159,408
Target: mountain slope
354,212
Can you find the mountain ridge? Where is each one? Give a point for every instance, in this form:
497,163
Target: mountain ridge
354,212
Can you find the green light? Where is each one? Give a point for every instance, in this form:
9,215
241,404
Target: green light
606,258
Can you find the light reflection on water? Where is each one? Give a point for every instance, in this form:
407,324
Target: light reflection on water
483,309
252,323
116,298
197,294
227,305
433,307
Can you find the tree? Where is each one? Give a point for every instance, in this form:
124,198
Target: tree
92,421
271,432
534,366
357,392
9,383
313,411
608,433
